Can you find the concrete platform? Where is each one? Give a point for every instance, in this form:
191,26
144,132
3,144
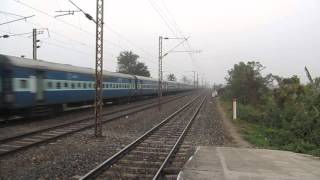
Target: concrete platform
227,163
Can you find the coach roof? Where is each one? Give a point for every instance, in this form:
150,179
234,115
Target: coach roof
45,65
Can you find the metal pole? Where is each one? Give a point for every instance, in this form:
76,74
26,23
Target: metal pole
99,69
197,80
194,79
160,73
34,44
234,106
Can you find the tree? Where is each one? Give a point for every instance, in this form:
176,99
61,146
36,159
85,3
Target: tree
171,77
128,64
185,80
245,82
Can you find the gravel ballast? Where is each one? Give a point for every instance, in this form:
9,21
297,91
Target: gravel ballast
75,155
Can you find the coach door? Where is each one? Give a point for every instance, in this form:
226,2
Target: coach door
40,86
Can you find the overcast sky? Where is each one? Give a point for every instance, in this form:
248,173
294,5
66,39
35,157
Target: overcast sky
284,35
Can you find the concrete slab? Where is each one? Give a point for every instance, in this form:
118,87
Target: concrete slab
228,163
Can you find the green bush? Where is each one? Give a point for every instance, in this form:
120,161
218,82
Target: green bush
248,113
286,117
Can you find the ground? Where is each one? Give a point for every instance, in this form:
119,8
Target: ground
75,155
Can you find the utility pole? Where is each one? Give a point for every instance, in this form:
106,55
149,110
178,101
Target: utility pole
161,56
35,41
197,80
99,69
194,79
98,101
34,44
160,73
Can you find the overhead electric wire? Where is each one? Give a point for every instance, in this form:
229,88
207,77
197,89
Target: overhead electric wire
175,24
23,18
69,24
175,30
12,14
87,32
162,17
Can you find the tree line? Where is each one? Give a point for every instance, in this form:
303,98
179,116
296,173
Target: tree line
128,64
286,111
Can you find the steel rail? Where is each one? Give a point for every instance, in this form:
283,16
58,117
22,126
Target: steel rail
12,139
180,139
113,159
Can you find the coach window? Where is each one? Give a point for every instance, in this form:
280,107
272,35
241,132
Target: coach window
58,85
66,85
72,85
23,84
79,85
84,85
49,85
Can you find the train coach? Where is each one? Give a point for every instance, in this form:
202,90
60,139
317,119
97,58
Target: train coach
31,87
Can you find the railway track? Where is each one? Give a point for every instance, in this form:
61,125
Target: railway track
23,141
150,156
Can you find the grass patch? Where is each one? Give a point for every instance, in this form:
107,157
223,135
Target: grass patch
251,132
269,138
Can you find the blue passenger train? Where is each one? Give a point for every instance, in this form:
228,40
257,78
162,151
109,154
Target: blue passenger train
27,85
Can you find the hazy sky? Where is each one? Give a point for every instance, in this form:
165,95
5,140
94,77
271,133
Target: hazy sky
284,35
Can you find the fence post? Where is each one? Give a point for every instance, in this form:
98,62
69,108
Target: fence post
234,107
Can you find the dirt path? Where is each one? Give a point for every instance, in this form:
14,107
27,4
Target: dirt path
234,136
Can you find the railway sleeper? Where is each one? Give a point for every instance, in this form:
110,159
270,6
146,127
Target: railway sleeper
163,137
121,175
51,134
176,164
170,177
168,141
59,131
154,149
11,146
134,170
22,142
148,153
3,150
32,140
144,158
161,145
152,164
171,170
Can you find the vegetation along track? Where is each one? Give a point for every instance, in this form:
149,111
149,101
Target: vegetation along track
149,155
23,141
